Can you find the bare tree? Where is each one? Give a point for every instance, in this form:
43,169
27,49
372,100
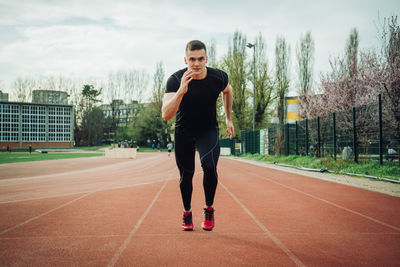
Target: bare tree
22,88
124,87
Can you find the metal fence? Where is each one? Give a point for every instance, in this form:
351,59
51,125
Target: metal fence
353,134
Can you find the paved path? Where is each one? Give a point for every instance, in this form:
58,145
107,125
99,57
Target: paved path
106,212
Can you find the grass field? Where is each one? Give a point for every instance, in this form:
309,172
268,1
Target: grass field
23,156
388,170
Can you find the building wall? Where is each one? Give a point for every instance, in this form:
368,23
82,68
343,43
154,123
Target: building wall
49,97
40,125
292,109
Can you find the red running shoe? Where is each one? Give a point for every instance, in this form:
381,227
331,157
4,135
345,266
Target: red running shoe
208,223
187,224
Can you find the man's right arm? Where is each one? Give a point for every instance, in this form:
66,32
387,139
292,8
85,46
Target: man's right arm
170,105
171,101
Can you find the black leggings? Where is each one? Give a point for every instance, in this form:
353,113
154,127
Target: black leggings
207,144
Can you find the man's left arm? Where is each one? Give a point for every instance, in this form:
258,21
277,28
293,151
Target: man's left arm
227,99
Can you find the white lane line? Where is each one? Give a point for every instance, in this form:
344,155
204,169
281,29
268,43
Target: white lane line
332,203
101,189
121,249
265,229
43,214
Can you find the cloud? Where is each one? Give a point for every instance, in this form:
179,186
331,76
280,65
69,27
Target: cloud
94,37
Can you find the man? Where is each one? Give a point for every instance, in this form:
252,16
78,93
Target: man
192,94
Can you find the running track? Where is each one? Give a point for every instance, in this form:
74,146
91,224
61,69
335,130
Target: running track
104,212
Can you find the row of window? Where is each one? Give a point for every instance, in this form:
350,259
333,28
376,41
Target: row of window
9,109
121,112
9,118
9,127
33,128
60,111
33,110
34,123
59,120
36,137
33,137
8,136
28,109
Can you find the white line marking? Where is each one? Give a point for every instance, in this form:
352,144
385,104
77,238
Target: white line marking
266,231
43,214
101,189
333,204
121,249
324,200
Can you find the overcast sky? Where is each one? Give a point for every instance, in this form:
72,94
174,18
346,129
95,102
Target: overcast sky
92,38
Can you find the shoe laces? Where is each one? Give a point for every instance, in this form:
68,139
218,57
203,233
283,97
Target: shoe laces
209,214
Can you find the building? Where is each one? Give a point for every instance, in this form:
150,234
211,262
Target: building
292,109
3,97
124,113
49,97
44,124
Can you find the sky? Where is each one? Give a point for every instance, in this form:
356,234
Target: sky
93,38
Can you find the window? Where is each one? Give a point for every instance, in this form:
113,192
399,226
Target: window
33,123
9,125
59,124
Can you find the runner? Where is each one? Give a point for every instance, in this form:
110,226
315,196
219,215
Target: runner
192,94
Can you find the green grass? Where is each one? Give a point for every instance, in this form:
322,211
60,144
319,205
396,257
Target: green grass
388,170
21,157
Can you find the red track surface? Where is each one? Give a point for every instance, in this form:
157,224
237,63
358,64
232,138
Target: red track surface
99,211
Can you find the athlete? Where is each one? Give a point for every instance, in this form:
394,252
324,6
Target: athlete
192,94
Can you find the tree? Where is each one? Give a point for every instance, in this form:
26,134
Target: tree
86,130
389,76
92,126
356,80
213,63
23,87
124,86
212,54
234,64
352,53
282,55
150,124
305,63
261,81
164,130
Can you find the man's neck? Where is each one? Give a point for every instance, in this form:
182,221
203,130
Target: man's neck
201,75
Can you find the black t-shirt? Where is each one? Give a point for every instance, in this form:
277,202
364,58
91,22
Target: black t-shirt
197,110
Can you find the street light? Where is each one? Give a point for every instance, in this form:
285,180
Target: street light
249,45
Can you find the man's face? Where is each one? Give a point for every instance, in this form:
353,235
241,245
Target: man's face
196,61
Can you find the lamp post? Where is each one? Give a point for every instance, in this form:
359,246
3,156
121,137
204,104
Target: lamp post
249,45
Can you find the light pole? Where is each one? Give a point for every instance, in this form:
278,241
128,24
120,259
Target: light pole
249,45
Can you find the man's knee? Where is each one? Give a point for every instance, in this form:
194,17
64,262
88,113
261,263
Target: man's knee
208,166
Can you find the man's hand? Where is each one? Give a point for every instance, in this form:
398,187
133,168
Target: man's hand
229,128
186,79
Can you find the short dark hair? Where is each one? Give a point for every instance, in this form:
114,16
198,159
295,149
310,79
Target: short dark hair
195,45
